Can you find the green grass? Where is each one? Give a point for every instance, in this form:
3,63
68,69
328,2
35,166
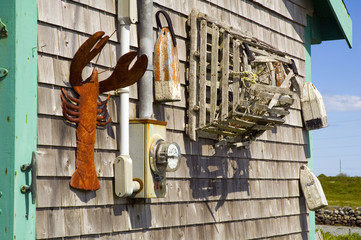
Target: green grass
342,190
328,236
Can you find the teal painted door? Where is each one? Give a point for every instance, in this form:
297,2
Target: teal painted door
18,116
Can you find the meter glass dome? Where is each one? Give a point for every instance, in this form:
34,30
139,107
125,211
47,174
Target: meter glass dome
174,157
166,157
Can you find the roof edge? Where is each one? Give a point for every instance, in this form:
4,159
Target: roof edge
343,19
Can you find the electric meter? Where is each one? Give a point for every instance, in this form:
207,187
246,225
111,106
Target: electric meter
164,157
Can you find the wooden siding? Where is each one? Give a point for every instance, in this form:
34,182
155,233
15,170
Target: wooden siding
218,193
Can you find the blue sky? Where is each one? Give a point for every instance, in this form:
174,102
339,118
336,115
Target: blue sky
336,72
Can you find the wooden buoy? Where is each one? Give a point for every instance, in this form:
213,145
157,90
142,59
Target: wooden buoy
312,189
166,64
313,108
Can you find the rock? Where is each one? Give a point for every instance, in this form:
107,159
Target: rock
339,216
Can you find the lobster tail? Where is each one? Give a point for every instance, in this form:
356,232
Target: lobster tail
85,176
85,180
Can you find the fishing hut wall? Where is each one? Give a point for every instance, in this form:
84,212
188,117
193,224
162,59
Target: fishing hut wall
218,192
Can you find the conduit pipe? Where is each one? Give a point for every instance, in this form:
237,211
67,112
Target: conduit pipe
124,36
145,36
124,184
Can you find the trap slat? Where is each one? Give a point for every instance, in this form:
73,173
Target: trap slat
192,75
249,39
236,79
259,119
272,75
276,58
216,131
271,89
202,73
283,85
241,122
214,71
225,76
231,128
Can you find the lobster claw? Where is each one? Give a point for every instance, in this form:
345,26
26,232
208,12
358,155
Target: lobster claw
122,76
83,56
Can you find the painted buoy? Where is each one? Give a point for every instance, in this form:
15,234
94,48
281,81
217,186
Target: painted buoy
312,189
166,64
313,108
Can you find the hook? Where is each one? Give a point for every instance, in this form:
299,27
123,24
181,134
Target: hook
169,21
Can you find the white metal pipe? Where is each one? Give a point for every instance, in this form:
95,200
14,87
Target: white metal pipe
124,38
124,96
124,121
124,184
136,186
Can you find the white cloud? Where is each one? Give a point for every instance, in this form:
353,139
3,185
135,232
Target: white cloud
342,103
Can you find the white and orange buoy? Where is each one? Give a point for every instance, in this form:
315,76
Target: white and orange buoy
167,86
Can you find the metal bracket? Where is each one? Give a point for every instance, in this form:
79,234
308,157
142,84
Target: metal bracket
33,168
3,30
3,72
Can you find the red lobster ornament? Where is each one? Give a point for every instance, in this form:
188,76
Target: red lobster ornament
87,112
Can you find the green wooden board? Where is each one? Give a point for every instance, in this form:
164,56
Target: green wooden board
18,116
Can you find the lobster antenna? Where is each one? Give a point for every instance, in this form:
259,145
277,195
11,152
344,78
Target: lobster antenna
104,70
99,54
112,34
96,61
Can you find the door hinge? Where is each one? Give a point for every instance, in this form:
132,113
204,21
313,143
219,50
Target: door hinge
3,30
3,72
33,168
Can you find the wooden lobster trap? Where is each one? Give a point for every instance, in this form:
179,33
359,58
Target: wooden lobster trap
239,87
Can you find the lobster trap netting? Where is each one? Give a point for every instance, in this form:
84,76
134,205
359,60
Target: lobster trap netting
239,87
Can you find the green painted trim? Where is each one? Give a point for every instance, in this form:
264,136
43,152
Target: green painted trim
343,19
331,21
18,116
316,36
308,40
317,30
312,215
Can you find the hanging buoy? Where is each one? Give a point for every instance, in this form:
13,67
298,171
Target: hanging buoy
313,108
166,64
312,189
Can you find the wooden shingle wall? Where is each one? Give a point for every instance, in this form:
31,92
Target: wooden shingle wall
218,193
